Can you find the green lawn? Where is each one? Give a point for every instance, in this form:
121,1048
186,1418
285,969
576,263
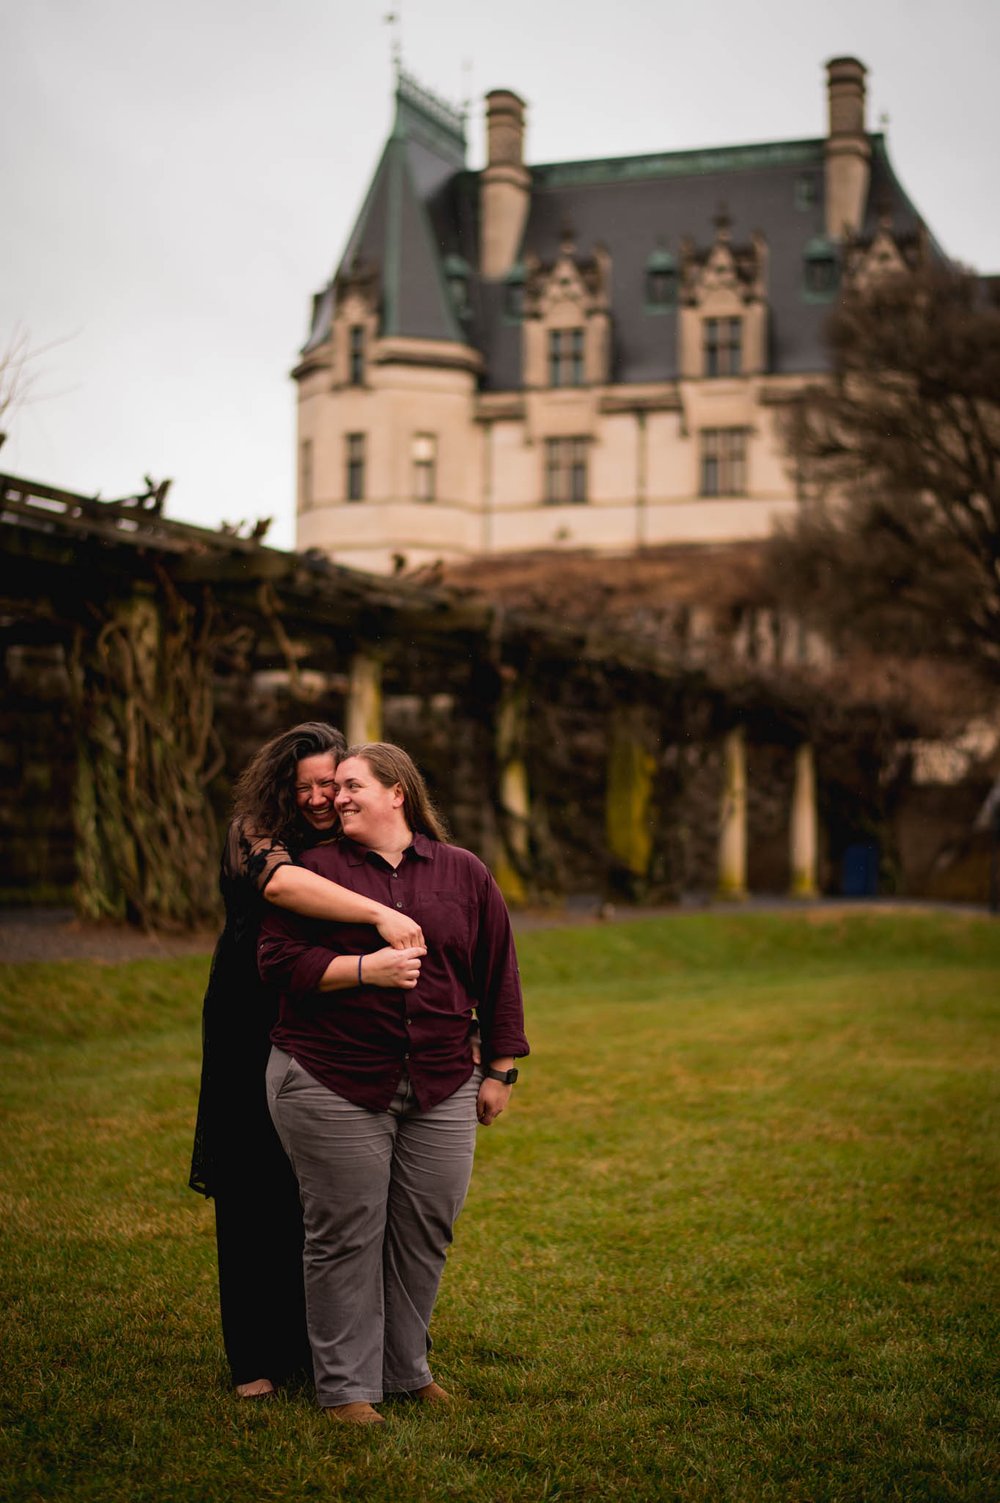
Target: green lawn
736,1239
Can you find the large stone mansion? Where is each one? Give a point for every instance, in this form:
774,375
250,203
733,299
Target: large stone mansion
585,354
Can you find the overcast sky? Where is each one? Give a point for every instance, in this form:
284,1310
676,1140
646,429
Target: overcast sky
179,176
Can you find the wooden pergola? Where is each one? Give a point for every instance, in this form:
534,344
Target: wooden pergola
150,612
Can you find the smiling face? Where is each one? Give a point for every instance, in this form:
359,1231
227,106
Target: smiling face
315,789
370,813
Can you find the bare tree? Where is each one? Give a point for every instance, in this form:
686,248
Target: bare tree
16,376
19,372
897,540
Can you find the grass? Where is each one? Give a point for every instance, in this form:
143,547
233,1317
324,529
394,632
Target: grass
736,1239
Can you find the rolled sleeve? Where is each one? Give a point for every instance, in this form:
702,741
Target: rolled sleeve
289,960
498,980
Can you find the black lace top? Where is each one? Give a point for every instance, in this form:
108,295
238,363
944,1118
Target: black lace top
238,1015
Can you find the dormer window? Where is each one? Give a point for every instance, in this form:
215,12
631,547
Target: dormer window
722,307
513,294
821,275
566,357
806,190
355,296
722,346
819,270
661,281
356,355
566,328
456,271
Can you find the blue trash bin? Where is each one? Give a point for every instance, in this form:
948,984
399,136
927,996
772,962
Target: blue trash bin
859,870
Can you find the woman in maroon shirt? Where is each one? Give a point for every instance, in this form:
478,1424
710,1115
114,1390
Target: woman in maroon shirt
373,1088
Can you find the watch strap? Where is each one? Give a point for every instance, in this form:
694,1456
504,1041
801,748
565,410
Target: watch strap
505,1077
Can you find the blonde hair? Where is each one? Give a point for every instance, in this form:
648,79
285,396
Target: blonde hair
391,765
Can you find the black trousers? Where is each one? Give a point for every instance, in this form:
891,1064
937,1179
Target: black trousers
258,1223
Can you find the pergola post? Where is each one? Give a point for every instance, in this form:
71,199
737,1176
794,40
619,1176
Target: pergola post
513,853
803,834
363,716
629,798
733,818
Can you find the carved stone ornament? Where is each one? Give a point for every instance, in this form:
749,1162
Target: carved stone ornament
724,267
359,284
885,254
584,281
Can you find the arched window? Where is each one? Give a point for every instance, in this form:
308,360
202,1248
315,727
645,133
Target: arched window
456,271
819,270
661,281
513,293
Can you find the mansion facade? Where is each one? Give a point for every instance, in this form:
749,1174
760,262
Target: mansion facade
590,354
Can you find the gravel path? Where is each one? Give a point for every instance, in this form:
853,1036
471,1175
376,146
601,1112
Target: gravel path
55,934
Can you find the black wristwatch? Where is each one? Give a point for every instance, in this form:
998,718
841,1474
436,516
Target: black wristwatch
505,1077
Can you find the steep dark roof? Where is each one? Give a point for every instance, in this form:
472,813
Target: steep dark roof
638,204
393,231
422,210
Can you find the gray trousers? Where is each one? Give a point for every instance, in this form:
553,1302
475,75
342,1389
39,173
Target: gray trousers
380,1194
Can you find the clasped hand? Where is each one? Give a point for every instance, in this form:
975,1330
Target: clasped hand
391,967
399,930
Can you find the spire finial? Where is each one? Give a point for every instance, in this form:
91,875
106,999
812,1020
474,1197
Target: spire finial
723,222
393,21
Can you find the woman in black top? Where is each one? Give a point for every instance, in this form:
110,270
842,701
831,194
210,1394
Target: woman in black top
283,804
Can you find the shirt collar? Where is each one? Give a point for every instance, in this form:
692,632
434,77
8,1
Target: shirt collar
420,848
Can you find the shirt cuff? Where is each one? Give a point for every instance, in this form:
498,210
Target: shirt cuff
309,970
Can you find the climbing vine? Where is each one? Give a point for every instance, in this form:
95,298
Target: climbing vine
141,674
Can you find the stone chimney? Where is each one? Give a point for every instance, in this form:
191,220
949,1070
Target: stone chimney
504,185
848,149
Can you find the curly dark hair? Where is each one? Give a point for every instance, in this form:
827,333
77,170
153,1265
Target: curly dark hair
390,765
264,796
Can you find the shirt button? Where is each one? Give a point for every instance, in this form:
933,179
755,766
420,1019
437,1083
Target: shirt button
399,905
408,1022
395,875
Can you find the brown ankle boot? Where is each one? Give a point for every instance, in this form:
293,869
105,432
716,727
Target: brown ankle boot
355,1414
432,1393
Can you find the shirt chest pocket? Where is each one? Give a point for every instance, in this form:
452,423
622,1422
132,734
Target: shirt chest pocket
445,916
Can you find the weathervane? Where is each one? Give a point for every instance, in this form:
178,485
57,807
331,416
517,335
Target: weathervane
392,20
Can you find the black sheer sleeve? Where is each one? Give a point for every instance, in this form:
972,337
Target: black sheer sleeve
253,858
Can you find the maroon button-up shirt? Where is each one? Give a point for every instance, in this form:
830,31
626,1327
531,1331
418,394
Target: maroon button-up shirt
357,1041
